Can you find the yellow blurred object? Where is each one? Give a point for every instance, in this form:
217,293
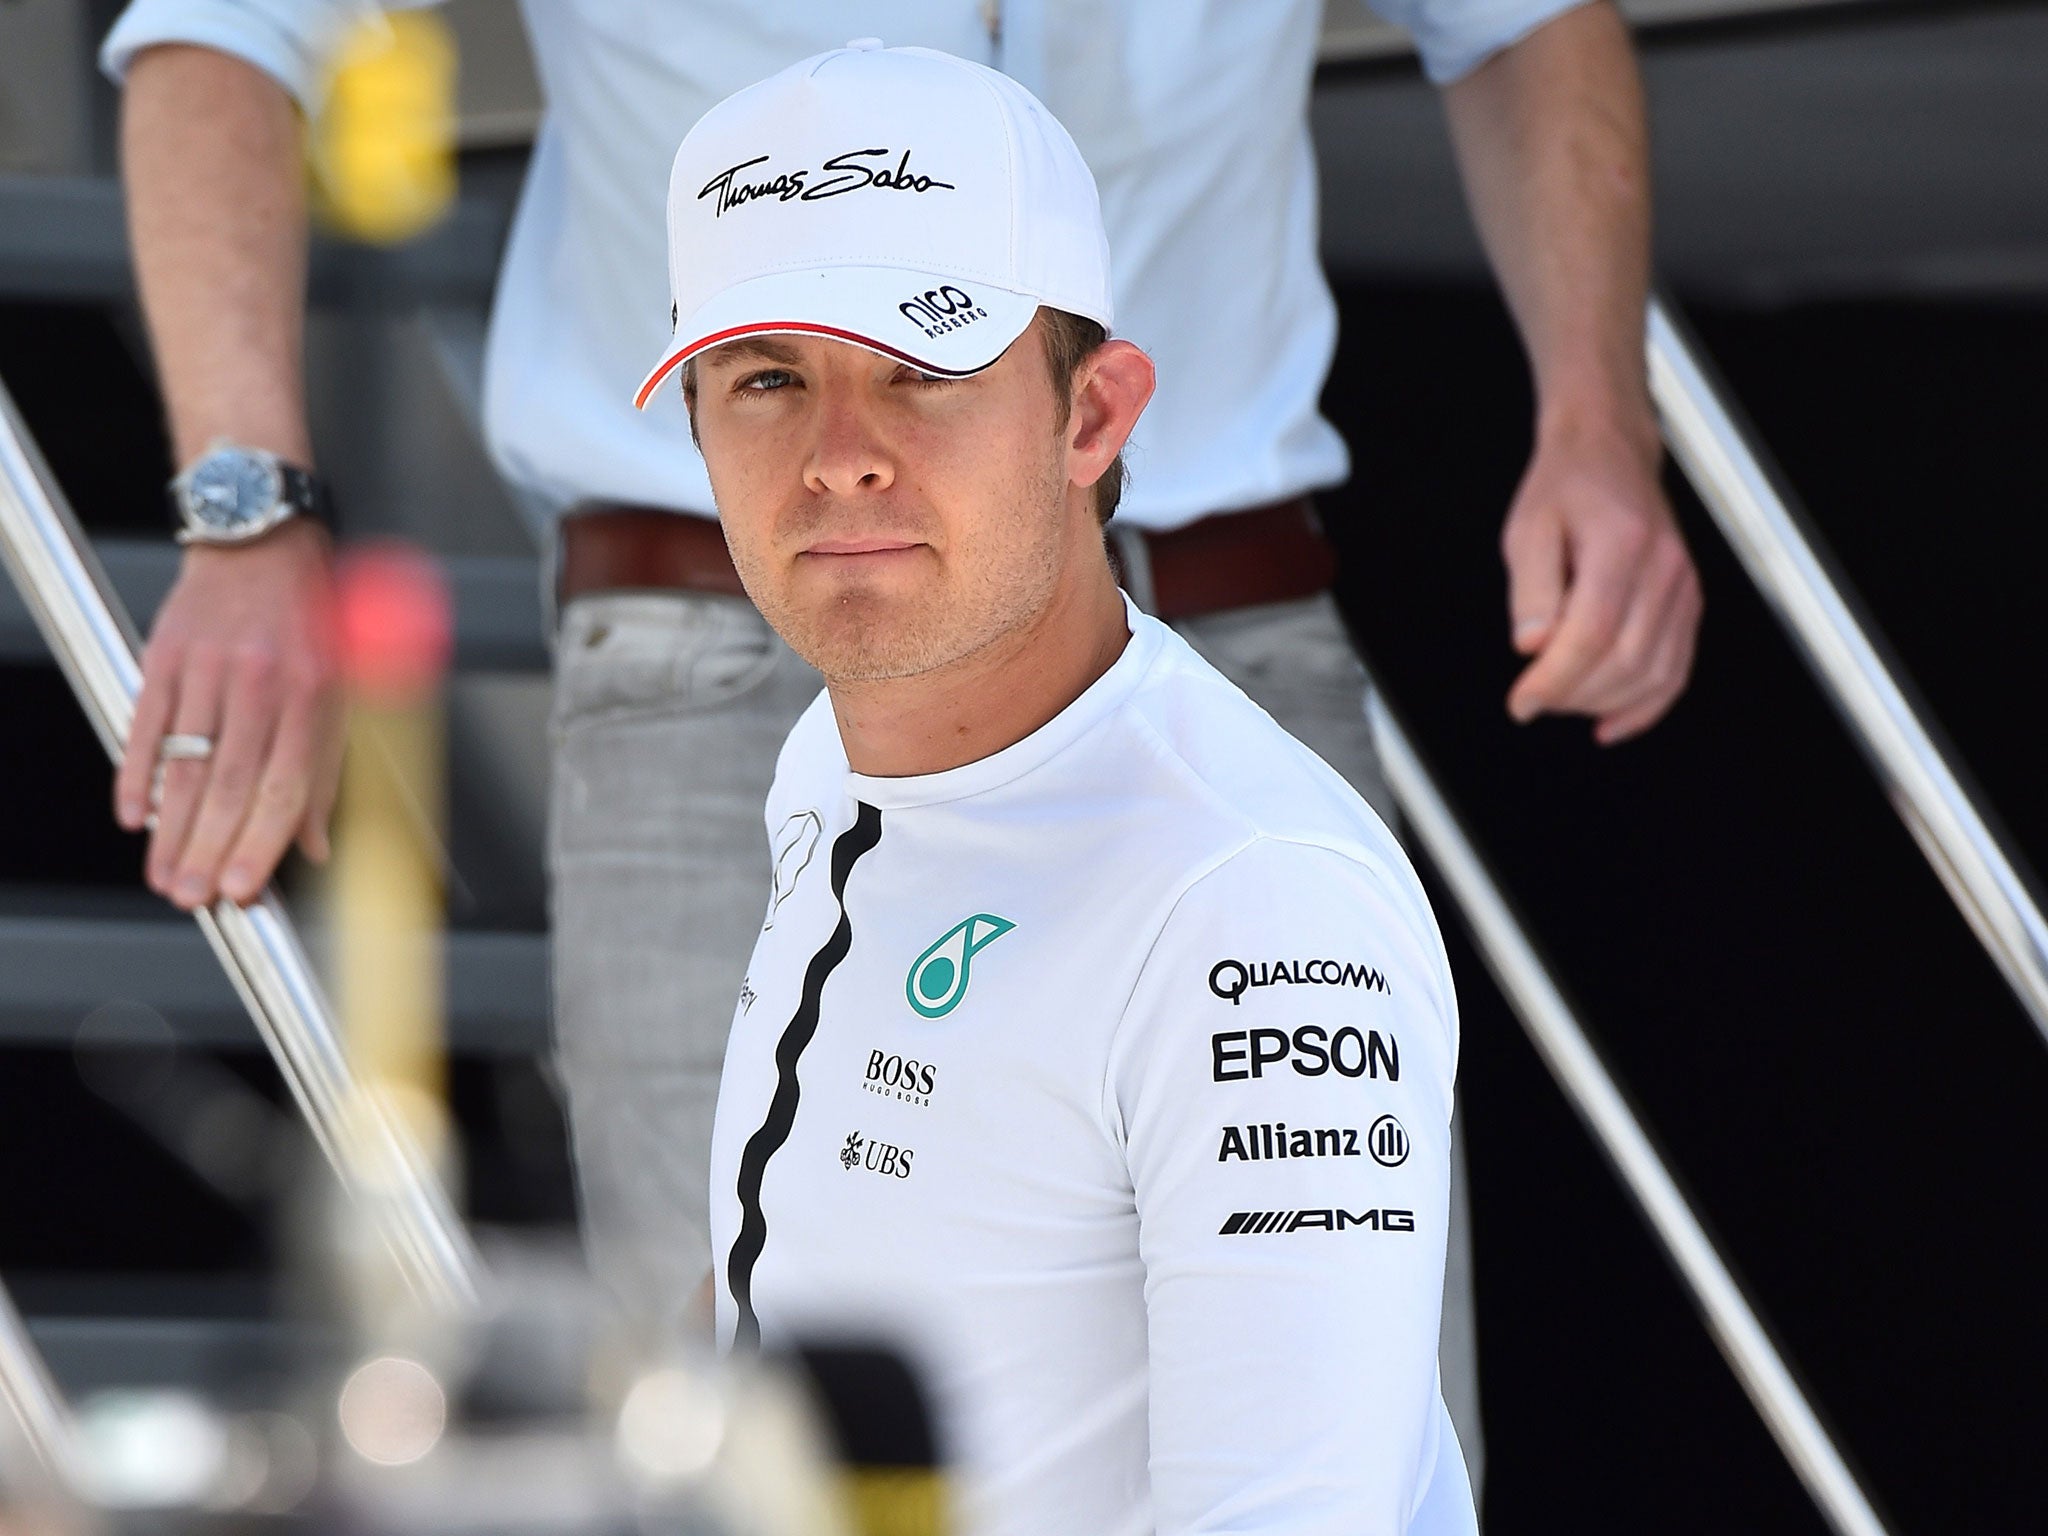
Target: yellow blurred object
897,1501
382,146
395,627
383,893
388,907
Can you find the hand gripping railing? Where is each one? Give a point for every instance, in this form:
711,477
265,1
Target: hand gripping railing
378,1162
1576,1065
1770,535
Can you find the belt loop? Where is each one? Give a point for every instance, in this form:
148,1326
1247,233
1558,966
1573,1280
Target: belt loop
1134,560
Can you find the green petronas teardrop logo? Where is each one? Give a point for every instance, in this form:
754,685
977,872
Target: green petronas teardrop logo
938,977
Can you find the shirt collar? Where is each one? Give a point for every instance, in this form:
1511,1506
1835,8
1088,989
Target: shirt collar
1100,699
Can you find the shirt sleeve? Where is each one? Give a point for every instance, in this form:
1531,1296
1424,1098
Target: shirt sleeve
289,40
1281,1085
1455,37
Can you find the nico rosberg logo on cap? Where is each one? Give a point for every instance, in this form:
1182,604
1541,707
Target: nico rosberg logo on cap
941,309
938,977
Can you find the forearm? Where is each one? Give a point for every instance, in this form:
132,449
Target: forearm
211,152
1553,143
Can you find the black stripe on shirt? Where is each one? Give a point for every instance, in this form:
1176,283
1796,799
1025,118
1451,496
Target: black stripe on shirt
856,840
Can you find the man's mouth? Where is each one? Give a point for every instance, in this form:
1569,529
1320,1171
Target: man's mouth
859,546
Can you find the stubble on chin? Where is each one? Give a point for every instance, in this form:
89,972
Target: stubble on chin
868,636
865,637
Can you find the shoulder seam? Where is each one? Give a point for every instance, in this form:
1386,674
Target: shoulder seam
1253,838
1190,774
1123,1011
1253,826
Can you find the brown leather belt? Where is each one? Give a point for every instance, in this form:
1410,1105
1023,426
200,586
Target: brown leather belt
609,547
1269,554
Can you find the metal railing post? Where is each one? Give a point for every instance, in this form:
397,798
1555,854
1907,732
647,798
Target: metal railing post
1585,1081
42,1423
1770,535
94,643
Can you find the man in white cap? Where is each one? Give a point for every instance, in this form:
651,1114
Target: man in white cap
671,693
1098,1044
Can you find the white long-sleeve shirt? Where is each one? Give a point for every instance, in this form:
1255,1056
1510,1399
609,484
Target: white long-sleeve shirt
1109,1077
1192,116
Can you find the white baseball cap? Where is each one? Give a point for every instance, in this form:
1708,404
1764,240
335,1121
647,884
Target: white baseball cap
901,199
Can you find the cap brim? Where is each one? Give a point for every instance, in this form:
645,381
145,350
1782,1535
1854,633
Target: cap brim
948,326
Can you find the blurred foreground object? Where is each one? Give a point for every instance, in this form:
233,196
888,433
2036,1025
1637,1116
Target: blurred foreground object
396,636
893,1479
382,146
525,1415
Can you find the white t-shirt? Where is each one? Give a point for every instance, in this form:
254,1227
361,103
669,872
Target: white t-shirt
1110,1078
1194,122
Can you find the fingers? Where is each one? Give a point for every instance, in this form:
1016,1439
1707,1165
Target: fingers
1666,673
313,835
274,777
1591,541
201,681
1534,551
1603,583
249,722
1635,667
279,809
152,718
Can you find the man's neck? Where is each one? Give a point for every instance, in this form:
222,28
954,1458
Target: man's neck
899,727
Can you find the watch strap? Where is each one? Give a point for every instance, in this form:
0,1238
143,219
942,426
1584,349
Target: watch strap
308,494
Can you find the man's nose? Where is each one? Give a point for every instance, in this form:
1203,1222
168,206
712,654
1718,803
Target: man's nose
848,454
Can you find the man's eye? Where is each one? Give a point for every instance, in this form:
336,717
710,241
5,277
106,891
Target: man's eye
766,381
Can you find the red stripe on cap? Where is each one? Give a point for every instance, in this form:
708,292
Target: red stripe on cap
793,327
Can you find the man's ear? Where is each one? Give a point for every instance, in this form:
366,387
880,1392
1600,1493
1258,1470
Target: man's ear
1110,390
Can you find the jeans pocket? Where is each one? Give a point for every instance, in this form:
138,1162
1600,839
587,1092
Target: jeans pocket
655,655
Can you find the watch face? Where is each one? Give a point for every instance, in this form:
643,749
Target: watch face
229,492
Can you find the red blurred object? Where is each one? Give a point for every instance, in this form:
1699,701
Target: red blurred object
397,621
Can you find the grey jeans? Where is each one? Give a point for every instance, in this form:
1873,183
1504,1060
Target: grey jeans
669,712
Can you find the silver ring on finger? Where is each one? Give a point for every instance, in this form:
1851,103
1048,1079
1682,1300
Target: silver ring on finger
185,747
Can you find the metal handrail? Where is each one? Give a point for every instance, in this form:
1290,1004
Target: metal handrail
1771,535
42,1420
1576,1065
377,1160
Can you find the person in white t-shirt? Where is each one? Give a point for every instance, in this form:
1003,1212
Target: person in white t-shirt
1097,1048
671,694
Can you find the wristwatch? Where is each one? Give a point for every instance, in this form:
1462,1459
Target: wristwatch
236,494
